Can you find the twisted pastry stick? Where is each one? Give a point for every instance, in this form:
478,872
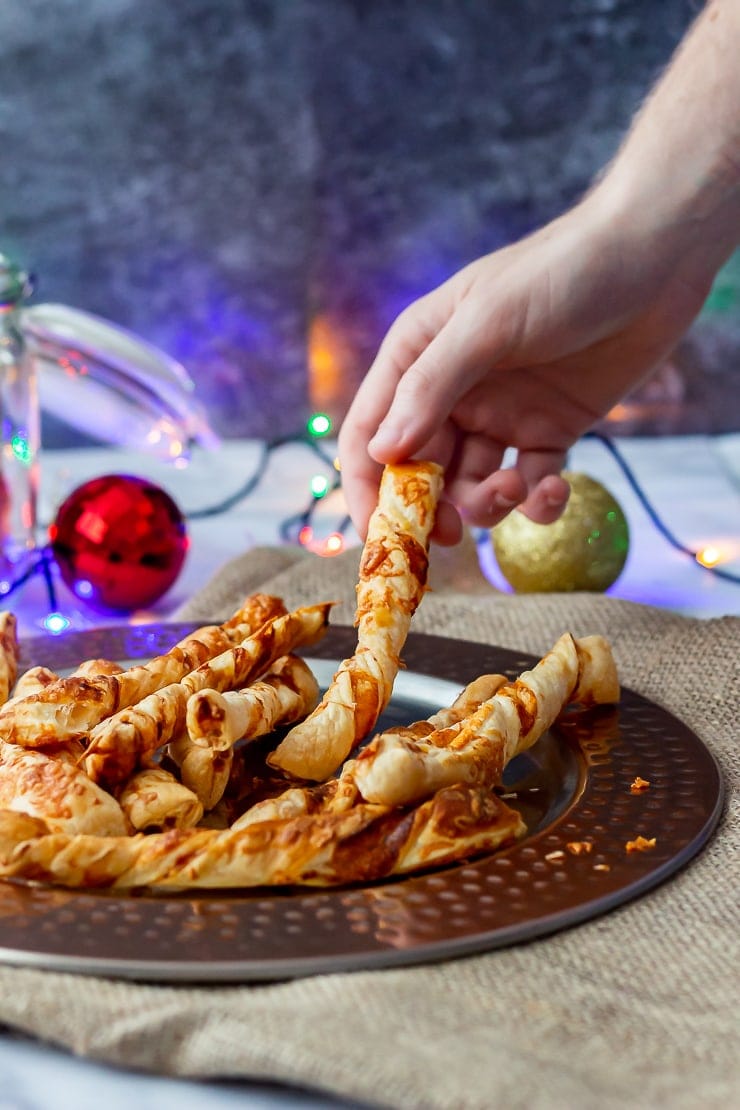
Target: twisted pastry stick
215,722
398,769
393,572
72,706
117,745
52,787
154,799
9,651
38,678
218,720
360,844
204,771
31,681
339,794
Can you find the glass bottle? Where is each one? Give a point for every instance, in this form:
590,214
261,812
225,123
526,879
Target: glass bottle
20,424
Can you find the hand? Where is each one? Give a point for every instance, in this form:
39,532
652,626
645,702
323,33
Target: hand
526,349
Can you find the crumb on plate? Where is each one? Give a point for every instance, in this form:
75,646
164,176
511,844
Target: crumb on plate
579,847
640,844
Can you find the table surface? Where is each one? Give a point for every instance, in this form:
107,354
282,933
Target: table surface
692,482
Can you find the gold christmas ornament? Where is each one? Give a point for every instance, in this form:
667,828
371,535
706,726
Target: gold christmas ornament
585,549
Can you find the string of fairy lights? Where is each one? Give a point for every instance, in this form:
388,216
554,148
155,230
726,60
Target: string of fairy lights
299,527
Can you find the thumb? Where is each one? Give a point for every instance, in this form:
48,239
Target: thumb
429,390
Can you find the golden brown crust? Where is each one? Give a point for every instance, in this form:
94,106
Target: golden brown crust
91,667
204,771
397,769
217,720
118,745
393,570
338,794
154,799
72,706
33,680
360,844
9,651
52,787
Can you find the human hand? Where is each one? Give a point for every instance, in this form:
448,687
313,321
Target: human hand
526,349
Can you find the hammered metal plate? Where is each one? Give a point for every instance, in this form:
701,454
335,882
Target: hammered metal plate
574,785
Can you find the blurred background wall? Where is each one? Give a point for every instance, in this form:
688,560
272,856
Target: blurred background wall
260,186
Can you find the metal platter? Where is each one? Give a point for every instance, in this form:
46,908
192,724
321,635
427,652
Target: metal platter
572,787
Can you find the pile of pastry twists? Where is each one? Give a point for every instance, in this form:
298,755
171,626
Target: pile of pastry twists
179,773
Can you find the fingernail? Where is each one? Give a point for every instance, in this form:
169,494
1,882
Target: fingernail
387,435
502,502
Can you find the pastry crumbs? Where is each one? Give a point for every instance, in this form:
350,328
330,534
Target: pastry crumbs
556,855
640,844
579,847
602,867
639,786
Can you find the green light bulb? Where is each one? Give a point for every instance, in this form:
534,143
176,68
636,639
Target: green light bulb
319,425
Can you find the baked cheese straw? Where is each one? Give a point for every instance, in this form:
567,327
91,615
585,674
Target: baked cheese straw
204,771
339,794
117,745
52,787
466,702
38,678
392,580
215,722
33,680
154,799
97,667
361,844
218,720
398,769
72,706
9,650
335,796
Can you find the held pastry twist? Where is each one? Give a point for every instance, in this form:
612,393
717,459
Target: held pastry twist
393,572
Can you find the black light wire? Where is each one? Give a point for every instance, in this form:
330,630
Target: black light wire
656,520
291,527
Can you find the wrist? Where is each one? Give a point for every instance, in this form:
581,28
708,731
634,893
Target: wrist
675,184
685,224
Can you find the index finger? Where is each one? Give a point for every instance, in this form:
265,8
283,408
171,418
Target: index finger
360,473
408,336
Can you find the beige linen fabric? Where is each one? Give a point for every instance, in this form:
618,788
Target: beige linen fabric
637,1008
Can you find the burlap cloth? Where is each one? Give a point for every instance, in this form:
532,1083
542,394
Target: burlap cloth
637,1008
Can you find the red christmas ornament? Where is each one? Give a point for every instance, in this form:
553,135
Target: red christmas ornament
119,541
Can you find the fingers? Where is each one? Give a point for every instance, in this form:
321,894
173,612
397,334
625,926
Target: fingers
429,389
547,493
448,527
361,473
405,341
484,492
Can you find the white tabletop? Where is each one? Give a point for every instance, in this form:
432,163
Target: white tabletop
693,483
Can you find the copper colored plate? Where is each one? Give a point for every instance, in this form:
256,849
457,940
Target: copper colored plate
573,786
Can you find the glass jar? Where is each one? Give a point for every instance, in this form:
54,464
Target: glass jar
19,413
91,375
